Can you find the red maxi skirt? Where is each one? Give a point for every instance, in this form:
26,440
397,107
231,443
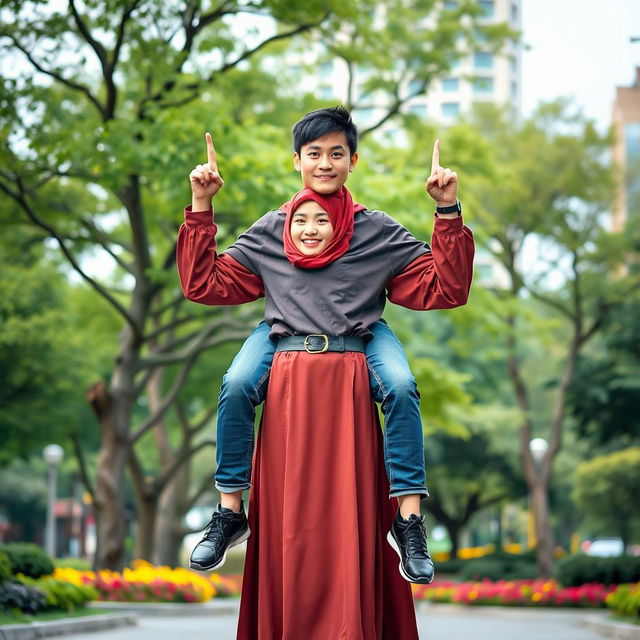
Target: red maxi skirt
318,566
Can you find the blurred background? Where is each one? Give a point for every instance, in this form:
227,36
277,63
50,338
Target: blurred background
530,393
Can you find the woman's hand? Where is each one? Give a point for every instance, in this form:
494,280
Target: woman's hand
442,184
205,180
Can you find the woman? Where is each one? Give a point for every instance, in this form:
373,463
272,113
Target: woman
318,565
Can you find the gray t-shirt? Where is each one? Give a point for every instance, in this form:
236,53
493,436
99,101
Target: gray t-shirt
343,298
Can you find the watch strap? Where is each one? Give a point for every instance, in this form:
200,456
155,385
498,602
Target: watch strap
454,208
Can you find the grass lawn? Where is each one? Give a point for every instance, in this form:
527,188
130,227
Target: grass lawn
23,618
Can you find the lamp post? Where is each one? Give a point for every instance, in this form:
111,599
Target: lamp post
53,455
538,447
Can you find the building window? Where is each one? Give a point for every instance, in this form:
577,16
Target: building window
513,64
488,8
326,69
450,5
514,90
419,110
450,84
325,92
483,85
450,109
514,12
482,60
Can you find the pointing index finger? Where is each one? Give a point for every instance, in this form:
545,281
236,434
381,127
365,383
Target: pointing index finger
211,152
435,158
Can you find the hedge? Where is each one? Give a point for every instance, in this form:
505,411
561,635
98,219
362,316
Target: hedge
572,571
28,559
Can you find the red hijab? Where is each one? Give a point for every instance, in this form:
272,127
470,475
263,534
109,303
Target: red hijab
341,209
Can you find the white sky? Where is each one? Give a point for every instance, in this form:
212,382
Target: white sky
580,49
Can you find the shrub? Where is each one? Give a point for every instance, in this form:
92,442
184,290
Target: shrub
575,570
499,566
449,566
61,595
15,595
28,559
5,568
625,600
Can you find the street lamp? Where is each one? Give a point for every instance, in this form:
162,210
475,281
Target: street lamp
538,448
53,455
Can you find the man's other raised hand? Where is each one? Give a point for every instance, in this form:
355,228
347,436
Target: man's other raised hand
442,184
205,179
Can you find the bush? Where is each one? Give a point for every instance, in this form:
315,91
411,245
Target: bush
5,568
449,566
625,600
15,595
500,566
28,559
61,595
573,571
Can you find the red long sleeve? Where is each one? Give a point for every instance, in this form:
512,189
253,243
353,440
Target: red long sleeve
205,276
440,279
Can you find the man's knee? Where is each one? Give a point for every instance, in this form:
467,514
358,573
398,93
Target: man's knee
401,387
237,384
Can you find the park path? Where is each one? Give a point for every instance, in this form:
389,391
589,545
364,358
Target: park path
436,622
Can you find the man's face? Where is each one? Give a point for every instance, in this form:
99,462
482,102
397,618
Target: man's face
325,163
311,228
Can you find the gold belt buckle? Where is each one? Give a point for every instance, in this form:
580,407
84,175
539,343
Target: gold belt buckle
317,335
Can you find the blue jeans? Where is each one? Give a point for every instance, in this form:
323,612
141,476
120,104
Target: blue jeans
244,386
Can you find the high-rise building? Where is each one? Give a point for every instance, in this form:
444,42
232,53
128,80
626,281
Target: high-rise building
480,75
626,152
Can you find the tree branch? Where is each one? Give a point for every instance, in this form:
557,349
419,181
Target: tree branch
82,464
180,458
19,198
56,76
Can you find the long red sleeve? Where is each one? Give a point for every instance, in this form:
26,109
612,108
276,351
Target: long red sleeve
205,276
440,279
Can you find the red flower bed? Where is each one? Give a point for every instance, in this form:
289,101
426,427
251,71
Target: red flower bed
518,593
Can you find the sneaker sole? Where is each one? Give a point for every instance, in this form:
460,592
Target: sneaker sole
217,565
394,545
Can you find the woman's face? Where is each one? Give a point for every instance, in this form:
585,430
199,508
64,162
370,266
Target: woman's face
311,228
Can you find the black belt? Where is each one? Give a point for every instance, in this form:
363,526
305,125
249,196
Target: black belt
319,343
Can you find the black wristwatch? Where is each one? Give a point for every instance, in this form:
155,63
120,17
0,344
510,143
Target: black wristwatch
454,208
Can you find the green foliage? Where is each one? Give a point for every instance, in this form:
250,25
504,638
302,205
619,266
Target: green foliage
625,600
499,567
572,571
80,564
5,568
27,559
604,398
25,598
607,488
61,595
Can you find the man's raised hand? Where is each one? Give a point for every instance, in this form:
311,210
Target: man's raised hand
442,184
205,179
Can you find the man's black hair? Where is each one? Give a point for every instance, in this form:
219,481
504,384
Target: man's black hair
318,123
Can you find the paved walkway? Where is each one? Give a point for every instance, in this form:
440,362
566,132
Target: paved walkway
436,622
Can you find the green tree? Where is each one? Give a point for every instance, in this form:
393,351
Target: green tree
606,491
544,192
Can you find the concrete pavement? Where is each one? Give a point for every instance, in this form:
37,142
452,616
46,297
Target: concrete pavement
436,622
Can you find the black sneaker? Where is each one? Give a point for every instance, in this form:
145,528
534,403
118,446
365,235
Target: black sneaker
409,539
226,529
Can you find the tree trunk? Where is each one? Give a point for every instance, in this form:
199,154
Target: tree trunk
544,534
147,510
170,528
109,492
